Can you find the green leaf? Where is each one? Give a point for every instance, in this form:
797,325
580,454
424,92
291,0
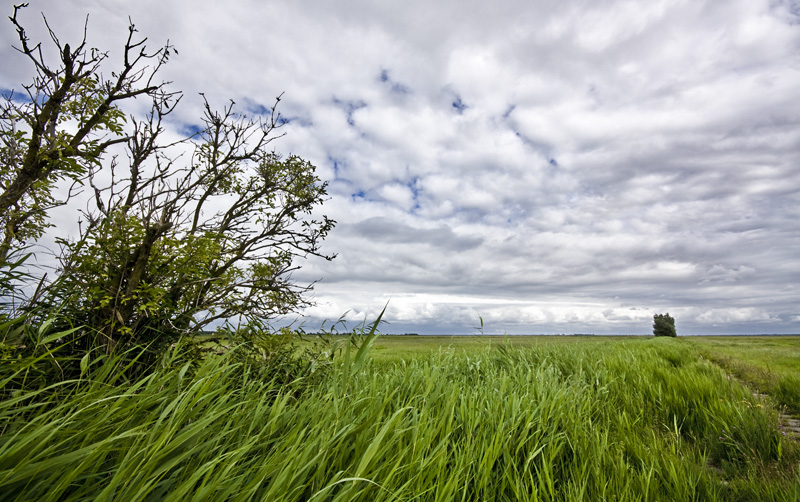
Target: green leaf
56,336
85,364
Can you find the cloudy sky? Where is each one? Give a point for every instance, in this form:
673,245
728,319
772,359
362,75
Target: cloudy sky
549,166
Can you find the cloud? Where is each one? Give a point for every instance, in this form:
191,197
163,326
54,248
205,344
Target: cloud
557,166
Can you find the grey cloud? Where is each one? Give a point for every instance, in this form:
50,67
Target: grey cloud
385,231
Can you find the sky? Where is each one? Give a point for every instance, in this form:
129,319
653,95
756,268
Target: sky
556,166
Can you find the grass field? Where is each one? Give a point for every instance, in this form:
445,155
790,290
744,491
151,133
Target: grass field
398,348
419,418
770,365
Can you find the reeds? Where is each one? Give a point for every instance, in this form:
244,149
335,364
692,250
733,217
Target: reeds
644,421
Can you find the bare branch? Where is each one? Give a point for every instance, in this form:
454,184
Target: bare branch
72,87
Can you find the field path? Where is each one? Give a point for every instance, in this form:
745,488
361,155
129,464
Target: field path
791,423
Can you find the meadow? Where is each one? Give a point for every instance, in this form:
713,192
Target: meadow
423,419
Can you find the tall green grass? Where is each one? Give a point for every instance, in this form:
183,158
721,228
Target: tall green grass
644,421
768,364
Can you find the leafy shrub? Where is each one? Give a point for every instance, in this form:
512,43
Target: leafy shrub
664,325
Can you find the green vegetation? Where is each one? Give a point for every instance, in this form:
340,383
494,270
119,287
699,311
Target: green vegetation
664,325
641,419
399,348
770,365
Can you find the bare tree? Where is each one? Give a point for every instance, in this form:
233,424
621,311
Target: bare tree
65,121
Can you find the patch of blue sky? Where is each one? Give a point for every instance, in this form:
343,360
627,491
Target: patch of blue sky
349,107
459,105
18,96
298,121
337,165
396,87
192,129
256,108
413,185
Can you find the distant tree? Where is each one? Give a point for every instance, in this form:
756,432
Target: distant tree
664,325
168,243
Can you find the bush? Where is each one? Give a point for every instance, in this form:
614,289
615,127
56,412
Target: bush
664,325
